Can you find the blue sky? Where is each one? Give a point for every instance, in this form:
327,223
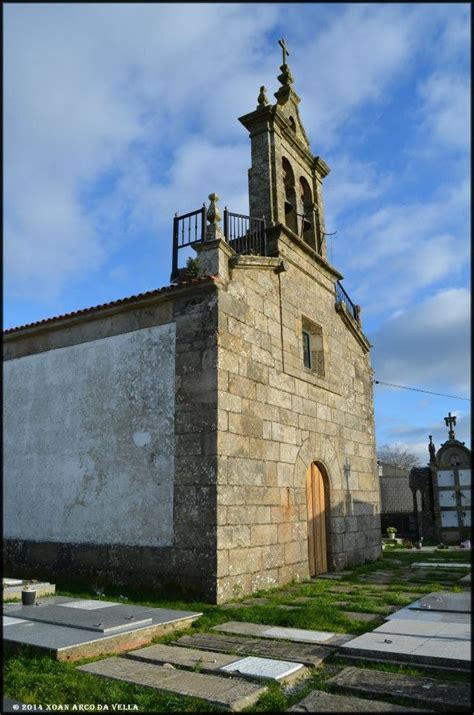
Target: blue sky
117,116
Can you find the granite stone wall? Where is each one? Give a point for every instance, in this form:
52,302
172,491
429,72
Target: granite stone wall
276,417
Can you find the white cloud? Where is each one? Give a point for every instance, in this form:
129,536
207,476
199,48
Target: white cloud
97,89
406,248
356,58
428,345
445,109
351,184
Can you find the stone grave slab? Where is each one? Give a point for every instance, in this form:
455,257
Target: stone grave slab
320,702
215,662
298,635
284,607
466,579
229,693
408,614
434,629
425,691
445,653
337,576
88,604
311,655
444,601
188,658
72,636
107,619
364,617
9,621
441,565
13,582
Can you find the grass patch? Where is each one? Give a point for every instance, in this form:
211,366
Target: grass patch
38,679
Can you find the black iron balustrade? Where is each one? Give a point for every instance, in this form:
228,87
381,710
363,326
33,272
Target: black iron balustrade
342,297
246,235
188,229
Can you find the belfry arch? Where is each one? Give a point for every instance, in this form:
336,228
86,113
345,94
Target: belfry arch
291,217
307,219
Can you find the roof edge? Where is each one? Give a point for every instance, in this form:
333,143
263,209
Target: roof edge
98,309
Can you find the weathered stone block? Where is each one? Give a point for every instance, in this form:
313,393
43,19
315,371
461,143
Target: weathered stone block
248,426
263,534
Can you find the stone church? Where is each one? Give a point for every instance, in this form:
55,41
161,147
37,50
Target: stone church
216,434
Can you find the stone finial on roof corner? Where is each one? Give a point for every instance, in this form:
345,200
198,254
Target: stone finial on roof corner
213,213
262,98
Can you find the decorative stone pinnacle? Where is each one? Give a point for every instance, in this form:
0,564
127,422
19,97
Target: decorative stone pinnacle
432,449
213,213
285,78
262,98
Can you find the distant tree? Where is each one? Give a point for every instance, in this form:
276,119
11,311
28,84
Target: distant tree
398,456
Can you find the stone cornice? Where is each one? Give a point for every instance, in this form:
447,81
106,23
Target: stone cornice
321,167
353,326
269,262
281,228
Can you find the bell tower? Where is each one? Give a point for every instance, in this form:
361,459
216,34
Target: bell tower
285,179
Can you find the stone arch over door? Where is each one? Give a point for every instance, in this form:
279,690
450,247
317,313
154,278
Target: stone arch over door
321,450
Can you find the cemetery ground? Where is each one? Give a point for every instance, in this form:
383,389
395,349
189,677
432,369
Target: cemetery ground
353,602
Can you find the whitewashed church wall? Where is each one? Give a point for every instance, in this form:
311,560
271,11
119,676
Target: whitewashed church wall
89,441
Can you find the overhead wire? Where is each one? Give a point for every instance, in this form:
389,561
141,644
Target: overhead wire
417,389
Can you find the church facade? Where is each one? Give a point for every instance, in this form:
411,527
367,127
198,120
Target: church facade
216,434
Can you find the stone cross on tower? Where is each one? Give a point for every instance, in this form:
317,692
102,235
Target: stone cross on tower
283,46
450,422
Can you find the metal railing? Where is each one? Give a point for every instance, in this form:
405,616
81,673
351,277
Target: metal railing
246,235
188,229
342,297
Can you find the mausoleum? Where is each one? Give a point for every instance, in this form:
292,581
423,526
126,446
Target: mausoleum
442,490
217,433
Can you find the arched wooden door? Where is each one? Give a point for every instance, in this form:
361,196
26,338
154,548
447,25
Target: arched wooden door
316,506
